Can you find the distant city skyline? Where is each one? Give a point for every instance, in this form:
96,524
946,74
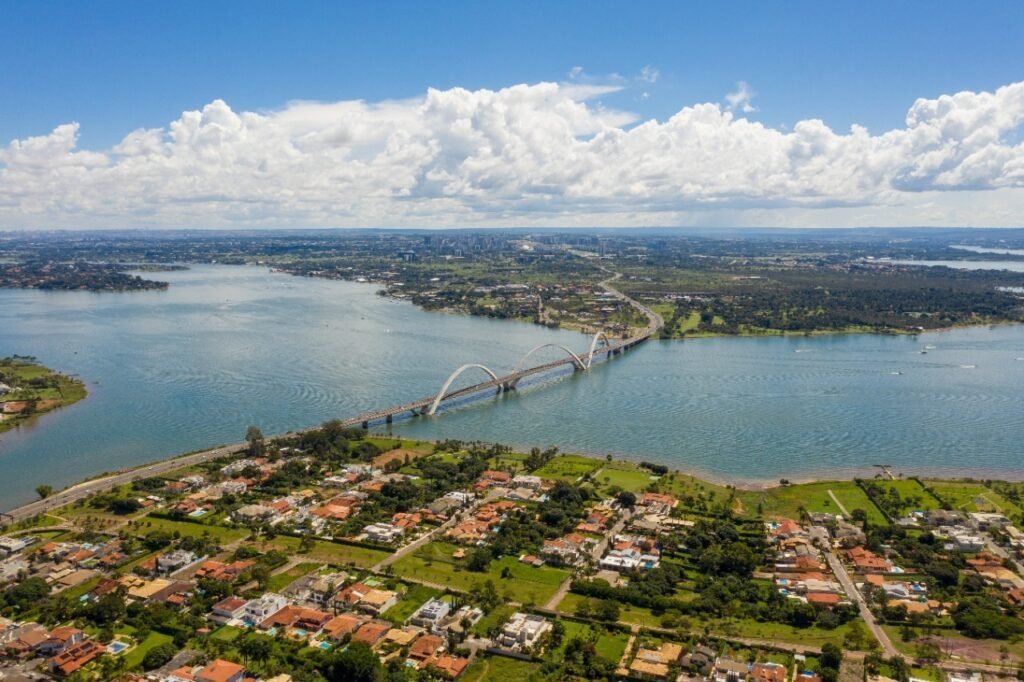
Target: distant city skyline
132,115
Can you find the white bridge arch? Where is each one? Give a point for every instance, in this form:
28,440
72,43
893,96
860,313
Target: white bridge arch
455,375
593,346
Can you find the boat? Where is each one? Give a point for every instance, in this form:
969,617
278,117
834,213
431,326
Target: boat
929,347
924,352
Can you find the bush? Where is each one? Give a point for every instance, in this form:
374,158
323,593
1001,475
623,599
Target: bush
159,655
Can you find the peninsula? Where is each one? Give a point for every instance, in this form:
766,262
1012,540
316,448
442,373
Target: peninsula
28,389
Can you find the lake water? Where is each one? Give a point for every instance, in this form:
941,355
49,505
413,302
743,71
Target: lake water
225,347
1011,265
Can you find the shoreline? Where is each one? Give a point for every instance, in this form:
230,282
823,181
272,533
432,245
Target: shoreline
107,480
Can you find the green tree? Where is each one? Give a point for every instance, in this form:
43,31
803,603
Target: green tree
357,663
254,437
158,656
44,491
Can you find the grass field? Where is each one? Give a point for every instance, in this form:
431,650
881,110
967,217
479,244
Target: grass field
910,488
499,669
568,467
415,597
525,584
279,581
221,534
133,658
621,475
609,645
787,501
492,619
972,497
227,633
331,552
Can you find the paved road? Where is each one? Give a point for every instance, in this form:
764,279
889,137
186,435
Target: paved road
595,553
87,488
419,542
851,591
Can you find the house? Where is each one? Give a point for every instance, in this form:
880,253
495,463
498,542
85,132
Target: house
220,670
370,633
768,672
699,660
310,621
534,483
523,630
429,615
258,610
728,670
22,641
367,598
339,627
986,520
866,561
253,513
172,561
450,667
9,545
215,570
232,608
425,648
60,639
384,533
74,657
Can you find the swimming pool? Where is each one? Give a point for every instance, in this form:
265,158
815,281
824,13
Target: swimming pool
117,647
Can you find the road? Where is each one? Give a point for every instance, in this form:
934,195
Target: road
851,591
419,542
97,485
563,589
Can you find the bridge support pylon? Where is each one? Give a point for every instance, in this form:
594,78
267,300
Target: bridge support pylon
388,419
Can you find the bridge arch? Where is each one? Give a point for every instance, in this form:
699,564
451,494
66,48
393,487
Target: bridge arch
576,360
593,346
451,379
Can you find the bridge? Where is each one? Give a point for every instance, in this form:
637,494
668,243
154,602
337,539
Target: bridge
497,384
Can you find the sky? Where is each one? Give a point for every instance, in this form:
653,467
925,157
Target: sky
401,114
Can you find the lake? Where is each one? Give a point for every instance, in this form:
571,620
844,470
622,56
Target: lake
225,347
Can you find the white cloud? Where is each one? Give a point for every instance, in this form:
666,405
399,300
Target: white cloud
740,99
649,74
544,154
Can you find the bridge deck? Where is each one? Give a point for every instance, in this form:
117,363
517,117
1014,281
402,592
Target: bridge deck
416,406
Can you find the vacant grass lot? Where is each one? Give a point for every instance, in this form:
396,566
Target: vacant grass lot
911,488
609,645
499,669
618,475
221,534
133,658
415,597
568,467
787,501
525,584
331,552
972,497
279,581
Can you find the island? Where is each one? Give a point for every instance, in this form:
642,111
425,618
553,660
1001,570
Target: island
79,276
339,554
28,389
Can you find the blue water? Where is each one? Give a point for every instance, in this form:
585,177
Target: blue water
225,347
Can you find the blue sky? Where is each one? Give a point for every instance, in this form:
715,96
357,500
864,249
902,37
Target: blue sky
115,67
118,66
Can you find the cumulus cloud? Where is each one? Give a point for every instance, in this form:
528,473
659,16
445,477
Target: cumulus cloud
649,74
527,154
740,99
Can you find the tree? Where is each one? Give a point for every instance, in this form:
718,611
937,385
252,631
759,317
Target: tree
357,663
254,437
626,499
44,491
900,669
159,655
255,648
479,559
831,656
607,609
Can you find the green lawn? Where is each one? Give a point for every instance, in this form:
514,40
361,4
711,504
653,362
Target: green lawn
221,534
332,552
568,467
609,645
525,584
910,488
227,633
279,581
133,658
76,592
972,497
776,632
494,618
415,597
499,669
632,479
787,501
